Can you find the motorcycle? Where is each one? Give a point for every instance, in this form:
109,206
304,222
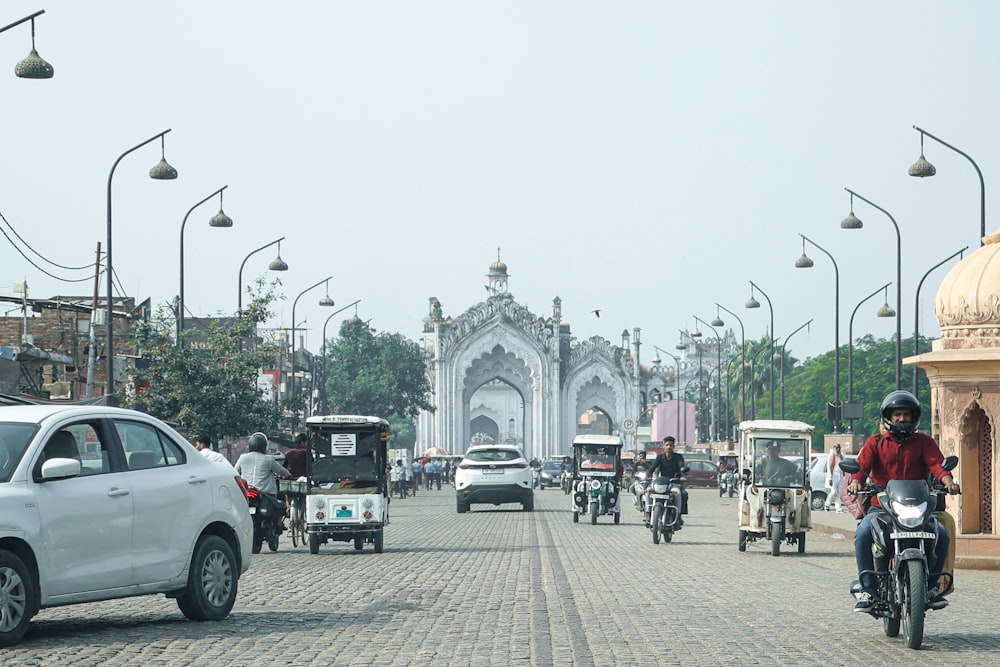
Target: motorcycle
566,481
905,535
727,483
640,482
665,506
268,513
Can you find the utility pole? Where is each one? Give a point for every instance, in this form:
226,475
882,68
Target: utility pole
92,347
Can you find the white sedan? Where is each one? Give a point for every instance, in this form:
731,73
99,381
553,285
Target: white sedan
102,503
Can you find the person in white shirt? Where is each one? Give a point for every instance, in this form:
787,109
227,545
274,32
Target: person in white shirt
259,469
204,445
834,479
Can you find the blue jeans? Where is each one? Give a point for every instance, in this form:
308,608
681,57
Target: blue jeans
866,560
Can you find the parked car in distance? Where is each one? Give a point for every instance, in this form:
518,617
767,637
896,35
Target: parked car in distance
102,503
493,474
817,479
702,473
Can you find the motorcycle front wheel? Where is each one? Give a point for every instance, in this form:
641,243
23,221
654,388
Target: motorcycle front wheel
913,605
654,523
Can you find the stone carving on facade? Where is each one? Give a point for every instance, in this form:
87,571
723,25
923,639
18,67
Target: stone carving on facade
504,308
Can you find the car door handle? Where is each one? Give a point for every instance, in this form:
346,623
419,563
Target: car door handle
197,480
114,492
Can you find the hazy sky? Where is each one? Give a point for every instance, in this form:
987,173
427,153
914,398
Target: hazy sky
646,159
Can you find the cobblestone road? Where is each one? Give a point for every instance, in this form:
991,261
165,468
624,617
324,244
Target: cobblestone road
498,586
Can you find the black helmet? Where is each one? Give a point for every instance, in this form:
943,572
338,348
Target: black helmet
258,442
894,401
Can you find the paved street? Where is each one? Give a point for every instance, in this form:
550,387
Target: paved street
498,586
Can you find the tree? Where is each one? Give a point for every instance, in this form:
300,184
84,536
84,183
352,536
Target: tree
381,375
208,385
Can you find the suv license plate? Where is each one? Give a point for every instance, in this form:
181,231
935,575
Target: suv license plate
492,471
913,535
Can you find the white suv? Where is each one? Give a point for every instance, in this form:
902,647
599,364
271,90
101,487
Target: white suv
493,474
101,503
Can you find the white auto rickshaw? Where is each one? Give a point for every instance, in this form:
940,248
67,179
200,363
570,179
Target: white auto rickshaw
774,483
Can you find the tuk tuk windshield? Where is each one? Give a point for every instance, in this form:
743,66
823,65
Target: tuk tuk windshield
780,462
597,458
347,460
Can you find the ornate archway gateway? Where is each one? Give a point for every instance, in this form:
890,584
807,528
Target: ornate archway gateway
500,364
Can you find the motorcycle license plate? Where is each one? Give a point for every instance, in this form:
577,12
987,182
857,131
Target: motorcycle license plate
913,535
253,510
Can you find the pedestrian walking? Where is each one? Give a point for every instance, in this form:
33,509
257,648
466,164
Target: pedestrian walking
834,480
418,474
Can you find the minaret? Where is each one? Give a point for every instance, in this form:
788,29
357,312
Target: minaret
497,278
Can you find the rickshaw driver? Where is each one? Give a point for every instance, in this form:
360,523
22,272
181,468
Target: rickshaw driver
774,469
669,464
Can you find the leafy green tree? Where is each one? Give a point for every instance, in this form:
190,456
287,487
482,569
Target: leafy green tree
208,385
374,374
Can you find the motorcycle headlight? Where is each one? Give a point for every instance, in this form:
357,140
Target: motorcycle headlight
659,488
595,484
776,496
910,516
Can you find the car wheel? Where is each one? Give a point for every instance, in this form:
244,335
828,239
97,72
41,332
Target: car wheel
212,581
528,505
17,598
378,541
462,507
313,543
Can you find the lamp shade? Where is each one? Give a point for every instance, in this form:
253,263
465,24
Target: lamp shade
34,67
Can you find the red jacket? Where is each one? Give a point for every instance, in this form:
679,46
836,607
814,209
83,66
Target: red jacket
884,458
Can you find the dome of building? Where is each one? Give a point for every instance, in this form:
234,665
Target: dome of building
498,268
968,302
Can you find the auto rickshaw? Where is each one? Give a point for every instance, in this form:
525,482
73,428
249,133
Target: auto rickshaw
348,494
597,472
729,473
774,483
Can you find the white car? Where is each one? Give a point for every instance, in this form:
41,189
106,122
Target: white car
101,503
493,474
817,478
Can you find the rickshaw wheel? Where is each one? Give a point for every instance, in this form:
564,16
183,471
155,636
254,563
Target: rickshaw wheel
378,541
594,509
359,543
743,540
618,517
576,517
802,543
313,543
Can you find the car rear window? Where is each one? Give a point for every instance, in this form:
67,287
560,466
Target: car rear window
492,455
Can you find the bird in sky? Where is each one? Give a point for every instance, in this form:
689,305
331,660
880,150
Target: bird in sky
597,312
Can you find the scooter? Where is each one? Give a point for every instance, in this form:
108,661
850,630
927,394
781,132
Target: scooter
905,535
665,497
640,482
727,485
566,481
268,513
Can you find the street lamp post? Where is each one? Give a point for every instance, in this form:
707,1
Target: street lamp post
162,171
718,354
220,219
753,303
922,168
782,362
852,222
686,385
717,322
916,314
677,379
326,301
325,407
33,66
277,264
699,413
804,262
884,311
